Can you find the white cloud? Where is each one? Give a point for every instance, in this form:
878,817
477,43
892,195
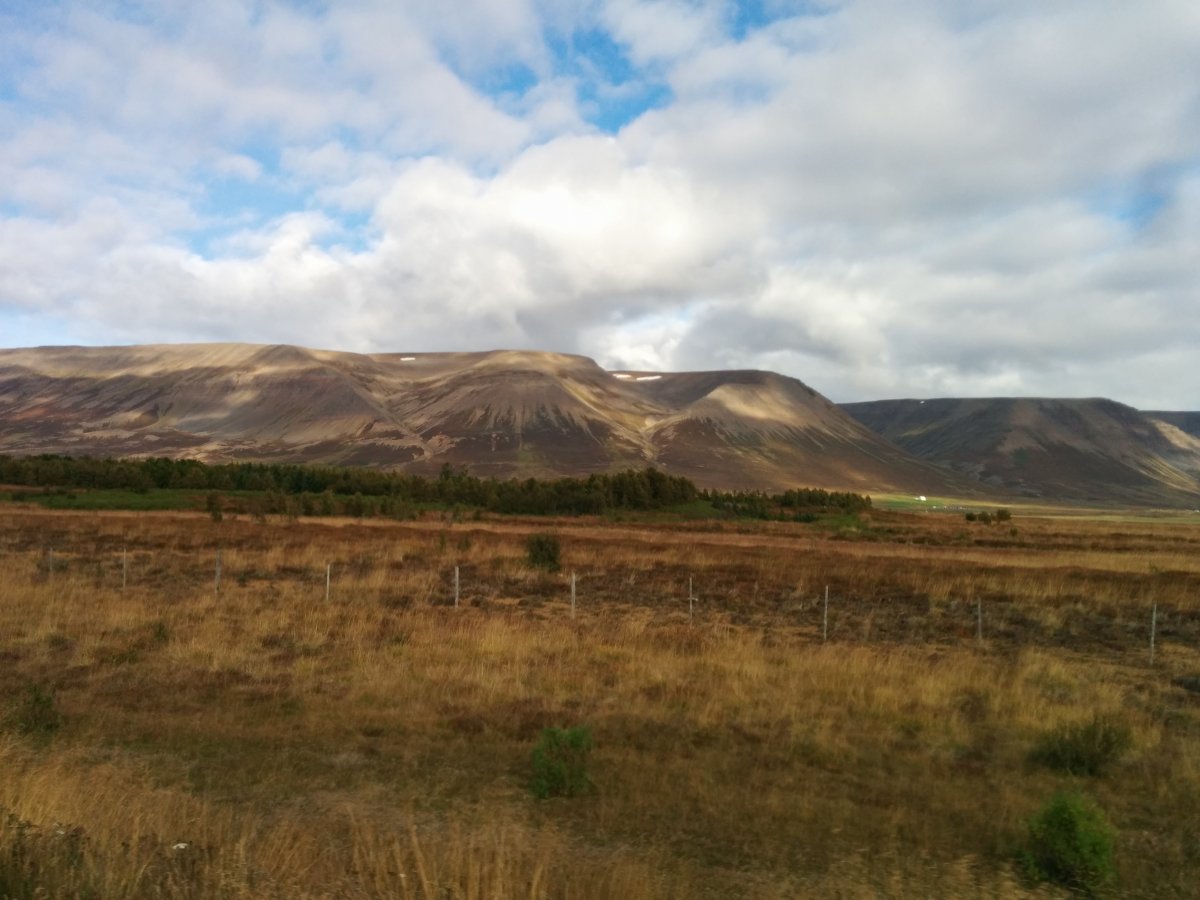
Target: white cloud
886,199
238,165
658,31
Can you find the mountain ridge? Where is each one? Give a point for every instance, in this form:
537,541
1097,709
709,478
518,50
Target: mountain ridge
521,413
505,413
1083,449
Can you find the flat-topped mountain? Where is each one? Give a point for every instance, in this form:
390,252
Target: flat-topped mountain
501,413
1091,450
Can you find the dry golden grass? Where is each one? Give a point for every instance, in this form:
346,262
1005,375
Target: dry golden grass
377,745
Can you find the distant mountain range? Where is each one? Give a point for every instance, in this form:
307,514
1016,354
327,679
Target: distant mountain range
533,414
503,413
1087,450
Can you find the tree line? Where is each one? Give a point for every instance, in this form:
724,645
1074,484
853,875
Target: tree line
330,490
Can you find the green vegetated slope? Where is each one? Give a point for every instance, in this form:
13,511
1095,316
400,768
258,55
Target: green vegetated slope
58,482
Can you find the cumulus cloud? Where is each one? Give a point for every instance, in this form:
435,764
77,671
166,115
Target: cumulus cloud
881,198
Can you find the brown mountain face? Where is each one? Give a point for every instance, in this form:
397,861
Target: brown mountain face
1091,450
503,414
1187,422
768,428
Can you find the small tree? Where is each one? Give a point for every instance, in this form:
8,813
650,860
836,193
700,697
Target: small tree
213,506
325,506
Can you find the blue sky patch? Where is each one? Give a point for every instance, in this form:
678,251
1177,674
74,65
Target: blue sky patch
612,91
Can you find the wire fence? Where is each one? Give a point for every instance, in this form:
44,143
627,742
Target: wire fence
721,597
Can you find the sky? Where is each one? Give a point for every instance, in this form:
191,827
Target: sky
883,198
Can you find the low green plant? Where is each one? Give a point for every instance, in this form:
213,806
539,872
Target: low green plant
36,713
1070,843
560,762
544,552
212,505
1083,748
162,632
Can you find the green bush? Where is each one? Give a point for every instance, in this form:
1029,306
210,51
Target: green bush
1070,843
1083,748
543,552
36,714
212,504
1003,515
560,762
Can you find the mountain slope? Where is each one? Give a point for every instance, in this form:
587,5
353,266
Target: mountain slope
1092,450
770,427
211,401
502,413
1187,422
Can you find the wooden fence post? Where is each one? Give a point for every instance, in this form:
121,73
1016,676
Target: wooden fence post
1153,629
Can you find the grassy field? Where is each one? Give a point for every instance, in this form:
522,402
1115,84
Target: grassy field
1033,508
98,500
163,737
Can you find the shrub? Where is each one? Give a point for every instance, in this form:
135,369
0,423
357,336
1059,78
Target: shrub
1003,515
543,552
36,714
985,517
212,504
560,762
970,517
1070,842
1083,748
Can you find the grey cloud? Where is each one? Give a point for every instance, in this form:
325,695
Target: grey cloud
893,199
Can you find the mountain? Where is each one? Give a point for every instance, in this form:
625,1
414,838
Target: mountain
501,413
1088,450
1187,422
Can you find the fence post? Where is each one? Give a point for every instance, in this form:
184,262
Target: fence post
124,567
50,564
456,587
691,599
825,617
328,569
217,577
1153,629
572,595
979,619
